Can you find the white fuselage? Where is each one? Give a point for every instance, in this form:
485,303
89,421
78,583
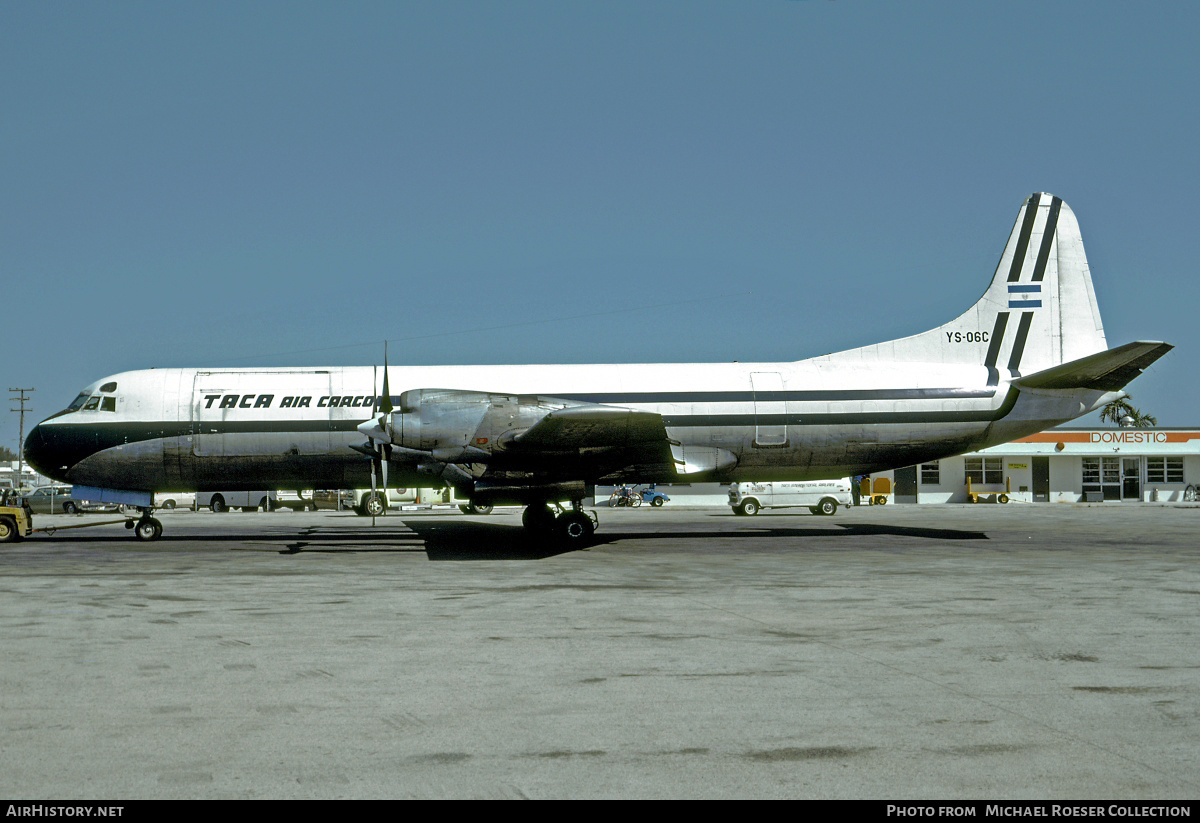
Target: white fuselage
232,429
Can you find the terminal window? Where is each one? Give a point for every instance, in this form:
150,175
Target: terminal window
1164,469
931,474
1101,469
985,469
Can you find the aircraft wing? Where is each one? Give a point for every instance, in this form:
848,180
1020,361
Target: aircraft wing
539,437
629,439
1108,370
595,441
594,426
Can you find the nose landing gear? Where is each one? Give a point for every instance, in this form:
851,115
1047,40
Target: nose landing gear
148,528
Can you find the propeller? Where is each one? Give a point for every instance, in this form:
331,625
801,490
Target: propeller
385,408
379,447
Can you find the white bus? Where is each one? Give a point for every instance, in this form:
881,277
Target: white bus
246,501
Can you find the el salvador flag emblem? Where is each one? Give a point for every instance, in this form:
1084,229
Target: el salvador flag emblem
1025,296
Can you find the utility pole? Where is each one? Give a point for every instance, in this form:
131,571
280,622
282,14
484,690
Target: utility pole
21,438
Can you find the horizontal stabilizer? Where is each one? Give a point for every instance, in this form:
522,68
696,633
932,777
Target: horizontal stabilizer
1104,371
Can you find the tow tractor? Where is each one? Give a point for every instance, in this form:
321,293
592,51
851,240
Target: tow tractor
16,521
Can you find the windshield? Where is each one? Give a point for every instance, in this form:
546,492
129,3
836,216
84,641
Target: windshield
78,401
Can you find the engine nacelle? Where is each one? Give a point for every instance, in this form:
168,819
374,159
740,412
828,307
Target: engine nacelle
457,426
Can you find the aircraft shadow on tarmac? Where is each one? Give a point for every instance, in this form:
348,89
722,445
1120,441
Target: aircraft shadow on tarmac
486,541
445,540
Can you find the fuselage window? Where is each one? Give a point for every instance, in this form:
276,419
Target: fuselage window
91,404
108,404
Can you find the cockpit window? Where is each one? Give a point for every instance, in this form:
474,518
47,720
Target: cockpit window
77,403
112,386
108,404
91,404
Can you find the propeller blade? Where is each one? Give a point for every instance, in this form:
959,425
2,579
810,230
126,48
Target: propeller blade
373,487
385,405
383,462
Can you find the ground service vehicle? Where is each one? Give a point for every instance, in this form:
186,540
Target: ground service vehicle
818,496
16,522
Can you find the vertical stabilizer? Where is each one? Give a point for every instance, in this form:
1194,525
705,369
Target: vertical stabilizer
1039,311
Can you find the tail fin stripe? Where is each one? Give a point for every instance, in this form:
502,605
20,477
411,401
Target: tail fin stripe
1018,261
993,353
1014,359
1039,270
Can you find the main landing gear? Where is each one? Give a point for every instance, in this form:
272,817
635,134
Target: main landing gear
573,527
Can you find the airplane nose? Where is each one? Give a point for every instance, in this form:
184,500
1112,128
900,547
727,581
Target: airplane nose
40,454
35,450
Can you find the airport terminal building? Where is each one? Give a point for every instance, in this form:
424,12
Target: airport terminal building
1065,466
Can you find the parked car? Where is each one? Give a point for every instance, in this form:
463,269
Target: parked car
58,500
652,496
365,503
297,501
174,500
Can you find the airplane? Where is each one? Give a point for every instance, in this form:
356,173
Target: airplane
1029,355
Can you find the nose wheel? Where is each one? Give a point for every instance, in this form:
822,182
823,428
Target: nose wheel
146,529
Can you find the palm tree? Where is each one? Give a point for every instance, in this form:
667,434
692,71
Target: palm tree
1123,413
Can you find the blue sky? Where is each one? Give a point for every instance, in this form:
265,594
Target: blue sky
268,183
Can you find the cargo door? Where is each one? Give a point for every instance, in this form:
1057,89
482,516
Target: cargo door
207,417
770,410
249,414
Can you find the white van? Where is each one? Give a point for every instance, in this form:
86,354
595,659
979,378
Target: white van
818,496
